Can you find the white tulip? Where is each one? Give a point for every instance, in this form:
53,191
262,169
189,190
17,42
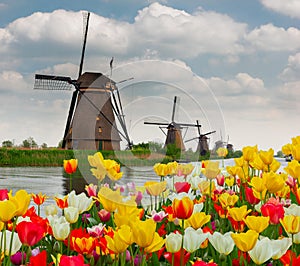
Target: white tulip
280,247
81,201
51,210
4,246
71,214
293,209
223,244
262,251
193,239
173,242
61,230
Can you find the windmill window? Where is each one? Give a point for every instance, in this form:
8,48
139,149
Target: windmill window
100,129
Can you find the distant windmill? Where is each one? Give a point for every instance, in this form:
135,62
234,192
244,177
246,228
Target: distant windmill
203,146
94,106
173,135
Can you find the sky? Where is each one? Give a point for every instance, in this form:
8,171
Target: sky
234,65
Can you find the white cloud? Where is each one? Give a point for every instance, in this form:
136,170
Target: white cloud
242,84
291,72
157,30
271,38
290,8
174,32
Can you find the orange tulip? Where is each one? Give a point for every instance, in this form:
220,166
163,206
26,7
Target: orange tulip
70,166
183,208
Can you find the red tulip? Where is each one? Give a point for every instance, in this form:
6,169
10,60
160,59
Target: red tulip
177,257
182,187
274,210
72,260
30,233
3,194
183,208
39,260
250,196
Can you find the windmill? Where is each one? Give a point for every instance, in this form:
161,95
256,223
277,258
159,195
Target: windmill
95,104
202,147
173,135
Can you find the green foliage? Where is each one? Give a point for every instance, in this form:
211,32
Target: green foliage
7,143
173,151
29,143
19,157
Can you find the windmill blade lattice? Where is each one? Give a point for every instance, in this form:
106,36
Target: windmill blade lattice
47,82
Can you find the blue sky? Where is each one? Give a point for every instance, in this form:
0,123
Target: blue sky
238,60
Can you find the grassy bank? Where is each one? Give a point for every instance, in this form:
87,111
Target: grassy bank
54,157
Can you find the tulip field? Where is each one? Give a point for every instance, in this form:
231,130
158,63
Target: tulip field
245,214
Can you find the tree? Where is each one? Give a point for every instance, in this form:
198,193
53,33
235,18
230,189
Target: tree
44,146
7,143
60,144
29,143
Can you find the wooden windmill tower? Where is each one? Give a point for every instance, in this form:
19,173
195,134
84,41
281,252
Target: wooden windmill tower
95,105
173,135
202,146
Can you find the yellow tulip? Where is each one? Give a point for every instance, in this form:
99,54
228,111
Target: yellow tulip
293,169
229,181
113,170
287,149
238,213
242,173
8,210
296,140
222,152
267,156
172,168
257,163
120,240
283,192
274,166
109,198
245,241
161,169
273,182
126,212
120,219
239,161
291,224
197,220
21,200
296,151
228,200
257,223
155,188
97,161
211,170
156,244
232,170
143,232
204,187
249,153
125,234
184,169
259,187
